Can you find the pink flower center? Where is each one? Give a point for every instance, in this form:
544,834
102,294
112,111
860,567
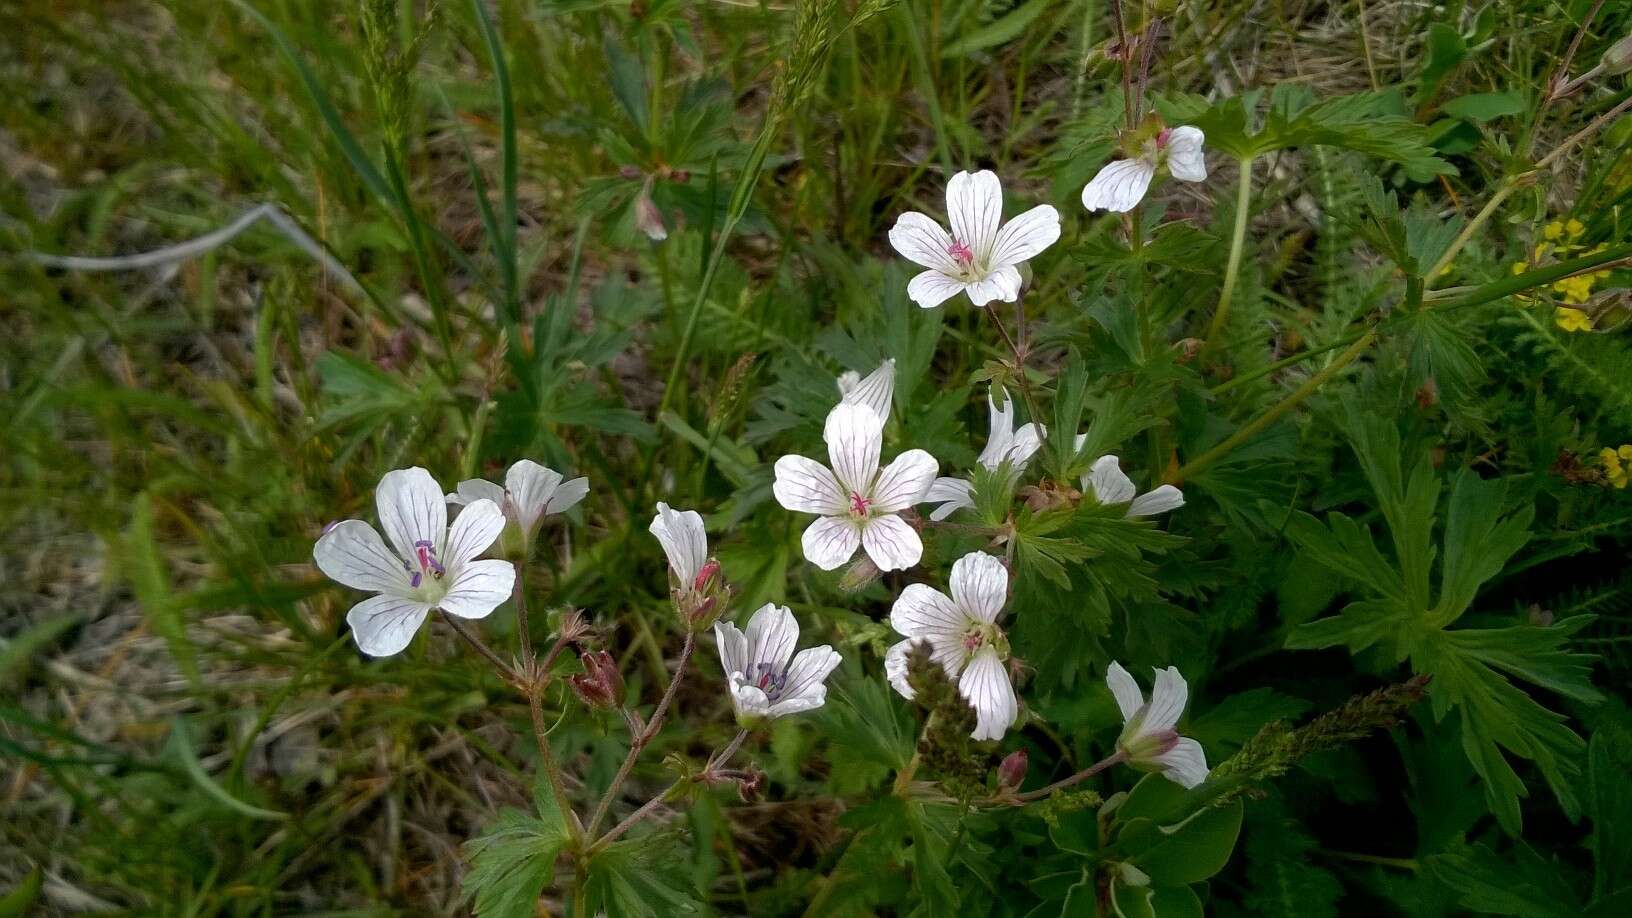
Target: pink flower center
859,504
1162,138
961,252
972,641
425,554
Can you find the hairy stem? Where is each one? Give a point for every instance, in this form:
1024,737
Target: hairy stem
1256,425
638,741
1081,776
713,769
1019,364
524,636
1238,238
505,669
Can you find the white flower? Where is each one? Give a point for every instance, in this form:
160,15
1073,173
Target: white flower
981,256
684,542
1110,485
963,638
857,502
1005,444
1122,184
1148,740
876,391
766,678
530,493
432,566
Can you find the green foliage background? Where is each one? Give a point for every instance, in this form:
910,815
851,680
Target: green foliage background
1388,446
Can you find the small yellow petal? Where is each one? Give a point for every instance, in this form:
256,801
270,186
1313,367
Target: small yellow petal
1572,319
1574,227
1552,230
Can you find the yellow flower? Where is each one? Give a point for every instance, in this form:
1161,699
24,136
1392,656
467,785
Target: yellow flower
1552,230
1541,251
1519,267
1574,228
1614,469
1572,319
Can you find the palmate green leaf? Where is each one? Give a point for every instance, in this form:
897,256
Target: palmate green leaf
1284,878
1609,805
869,735
643,877
1525,884
1472,668
512,863
1468,668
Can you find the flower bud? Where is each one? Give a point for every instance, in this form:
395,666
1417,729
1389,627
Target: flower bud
706,575
1012,770
1618,59
859,575
600,685
629,172
648,220
752,786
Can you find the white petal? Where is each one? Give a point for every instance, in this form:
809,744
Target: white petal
904,481
567,495
1126,691
1023,237
747,698
854,436
891,543
383,625
953,494
1185,764
1167,700
985,684
475,489
478,588
921,611
530,487
772,635
980,585
895,667
875,391
1161,500
830,541
804,679
1119,186
974,206
932,288
1027,441
1185,160
733,646
797,704
683,539
1003,283
473,532
1000,427
352,553
806,486
922,241
1108,482
412,509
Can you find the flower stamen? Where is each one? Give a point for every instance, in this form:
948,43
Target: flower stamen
425,554
859,504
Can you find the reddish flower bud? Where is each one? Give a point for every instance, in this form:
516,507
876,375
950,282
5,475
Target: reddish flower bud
649,220
1012,770
752,786
705,574
629,172
600,685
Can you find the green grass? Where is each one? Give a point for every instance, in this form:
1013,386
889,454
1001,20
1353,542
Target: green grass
186,726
